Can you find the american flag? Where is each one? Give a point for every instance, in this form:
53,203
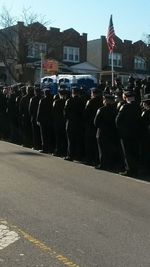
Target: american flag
110,36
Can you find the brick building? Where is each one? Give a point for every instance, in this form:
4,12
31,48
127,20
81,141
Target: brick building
128,58
35,43
23,49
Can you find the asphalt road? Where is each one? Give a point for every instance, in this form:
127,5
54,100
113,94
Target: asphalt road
55,213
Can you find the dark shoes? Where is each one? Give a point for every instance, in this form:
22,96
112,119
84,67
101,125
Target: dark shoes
55,154
43,151
128,173
103,168
88,162
98,167
68,158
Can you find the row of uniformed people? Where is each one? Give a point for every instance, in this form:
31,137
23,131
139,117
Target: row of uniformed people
131,126
91,131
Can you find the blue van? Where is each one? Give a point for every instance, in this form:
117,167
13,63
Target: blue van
53,82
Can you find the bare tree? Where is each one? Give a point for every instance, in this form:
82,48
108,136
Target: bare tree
6,20
146,38
13,34
29,17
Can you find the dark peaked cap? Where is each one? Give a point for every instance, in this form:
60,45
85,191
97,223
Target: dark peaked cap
75,89
109,96
95,90
62,91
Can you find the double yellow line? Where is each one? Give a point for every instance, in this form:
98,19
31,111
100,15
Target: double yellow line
40,245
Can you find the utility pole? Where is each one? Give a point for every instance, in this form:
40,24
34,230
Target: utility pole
41,70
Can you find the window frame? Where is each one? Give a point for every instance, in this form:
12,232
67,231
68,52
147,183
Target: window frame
71,54
117,60
34,49
139,63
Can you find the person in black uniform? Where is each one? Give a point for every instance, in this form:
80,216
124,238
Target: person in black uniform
21,94
117,85
131,82
146,86
59,123
137,90
12,114
128,123
45,121
73,112
33,107
92,105
145,141
119,98
4,129
25,117
107,136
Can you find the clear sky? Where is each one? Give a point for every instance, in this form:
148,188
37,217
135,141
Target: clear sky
131,18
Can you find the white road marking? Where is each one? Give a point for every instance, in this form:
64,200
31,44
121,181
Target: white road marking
7,236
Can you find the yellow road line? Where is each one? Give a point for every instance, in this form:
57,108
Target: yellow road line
43,247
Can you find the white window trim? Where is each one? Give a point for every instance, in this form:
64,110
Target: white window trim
76,51
117,57
139,61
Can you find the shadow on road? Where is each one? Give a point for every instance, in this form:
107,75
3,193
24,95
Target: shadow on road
25,153
28,153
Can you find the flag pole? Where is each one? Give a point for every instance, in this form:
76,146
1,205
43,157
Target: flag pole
111,44
112,69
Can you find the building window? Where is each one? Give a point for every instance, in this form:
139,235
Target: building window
35,49
71,54
139,63
117,60
65,53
